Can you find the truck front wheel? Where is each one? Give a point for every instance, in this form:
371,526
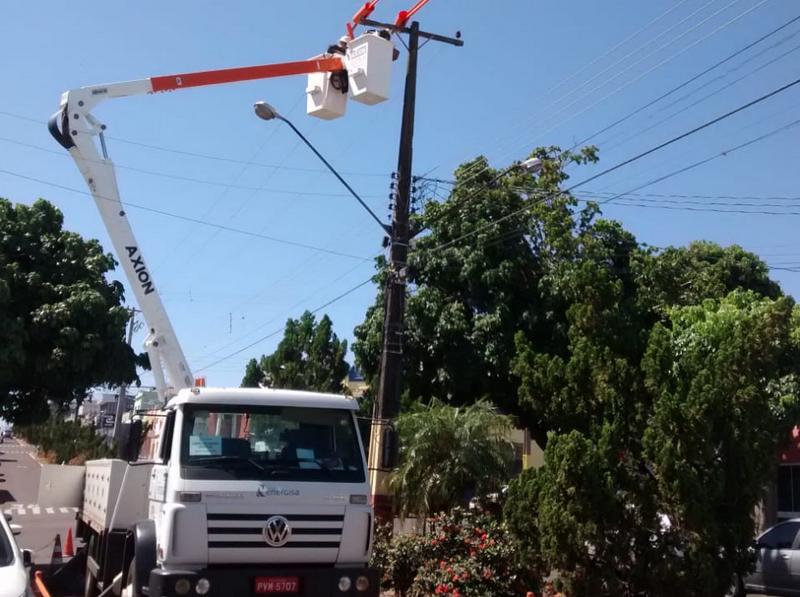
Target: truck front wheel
131,589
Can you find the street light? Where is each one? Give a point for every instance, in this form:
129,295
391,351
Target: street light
531,165
266,112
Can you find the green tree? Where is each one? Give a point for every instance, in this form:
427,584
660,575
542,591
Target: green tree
253,375
724,375
549,315
660,503
309,357
449,453
689,275
468,301
62,323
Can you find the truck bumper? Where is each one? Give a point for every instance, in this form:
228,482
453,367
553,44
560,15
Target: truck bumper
241,582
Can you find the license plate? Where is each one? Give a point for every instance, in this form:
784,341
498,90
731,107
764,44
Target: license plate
277,584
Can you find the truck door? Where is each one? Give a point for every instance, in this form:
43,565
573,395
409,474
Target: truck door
158,477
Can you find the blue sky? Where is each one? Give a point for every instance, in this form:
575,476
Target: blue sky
531,73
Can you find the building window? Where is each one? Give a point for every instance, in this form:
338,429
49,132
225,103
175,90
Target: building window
788,491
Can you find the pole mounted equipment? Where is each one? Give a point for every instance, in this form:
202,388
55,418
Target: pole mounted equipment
383,441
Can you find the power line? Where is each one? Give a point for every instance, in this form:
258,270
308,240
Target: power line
463,202
562,97
686,83
278,331
764,118
600,194
189,218
604,194
289,310
709,95
182,243
185,178
706,160
559,101
647,72
200,155
652,69
626,162
628,203
618,45
794,270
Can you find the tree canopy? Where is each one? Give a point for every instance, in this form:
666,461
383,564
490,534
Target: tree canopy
468,300
62,323
309,357
606,349
665,497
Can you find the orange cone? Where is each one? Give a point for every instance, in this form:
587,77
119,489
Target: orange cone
69,548
57,555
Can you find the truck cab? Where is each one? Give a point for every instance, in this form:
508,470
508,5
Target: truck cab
253,491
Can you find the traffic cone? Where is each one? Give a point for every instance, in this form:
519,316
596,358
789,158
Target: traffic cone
69,548
57,555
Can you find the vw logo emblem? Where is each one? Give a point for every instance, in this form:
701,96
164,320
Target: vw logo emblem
277,531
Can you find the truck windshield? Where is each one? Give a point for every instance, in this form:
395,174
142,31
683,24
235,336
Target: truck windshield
272,443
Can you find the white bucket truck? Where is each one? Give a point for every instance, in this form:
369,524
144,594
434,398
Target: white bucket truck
252,492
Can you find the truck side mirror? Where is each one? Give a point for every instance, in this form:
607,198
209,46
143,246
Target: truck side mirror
130,441
27,558
15,529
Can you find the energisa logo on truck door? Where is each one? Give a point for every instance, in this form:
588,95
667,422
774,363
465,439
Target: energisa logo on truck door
141,270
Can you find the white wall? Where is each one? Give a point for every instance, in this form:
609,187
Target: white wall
61,485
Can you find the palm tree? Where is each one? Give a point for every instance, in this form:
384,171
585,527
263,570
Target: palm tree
446,452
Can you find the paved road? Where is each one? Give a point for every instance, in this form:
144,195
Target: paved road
19,489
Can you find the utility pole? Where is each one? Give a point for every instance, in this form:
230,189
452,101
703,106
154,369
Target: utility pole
122,401
383,445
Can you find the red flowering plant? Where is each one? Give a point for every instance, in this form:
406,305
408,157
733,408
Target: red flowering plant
398,557
462,553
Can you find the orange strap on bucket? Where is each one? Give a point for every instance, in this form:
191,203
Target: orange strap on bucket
404,15
362,13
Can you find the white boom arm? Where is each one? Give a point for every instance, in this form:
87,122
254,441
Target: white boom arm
74,127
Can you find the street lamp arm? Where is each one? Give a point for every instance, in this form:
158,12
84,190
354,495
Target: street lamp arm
385,228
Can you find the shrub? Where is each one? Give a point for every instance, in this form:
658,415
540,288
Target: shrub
66,441
399,558
448,454
462,553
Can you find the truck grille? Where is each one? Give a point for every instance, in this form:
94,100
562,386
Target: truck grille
237,531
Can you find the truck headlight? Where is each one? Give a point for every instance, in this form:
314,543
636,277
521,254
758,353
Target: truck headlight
362,583
183,586
345,583
202,587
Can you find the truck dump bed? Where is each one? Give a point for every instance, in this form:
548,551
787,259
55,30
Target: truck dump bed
115,493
